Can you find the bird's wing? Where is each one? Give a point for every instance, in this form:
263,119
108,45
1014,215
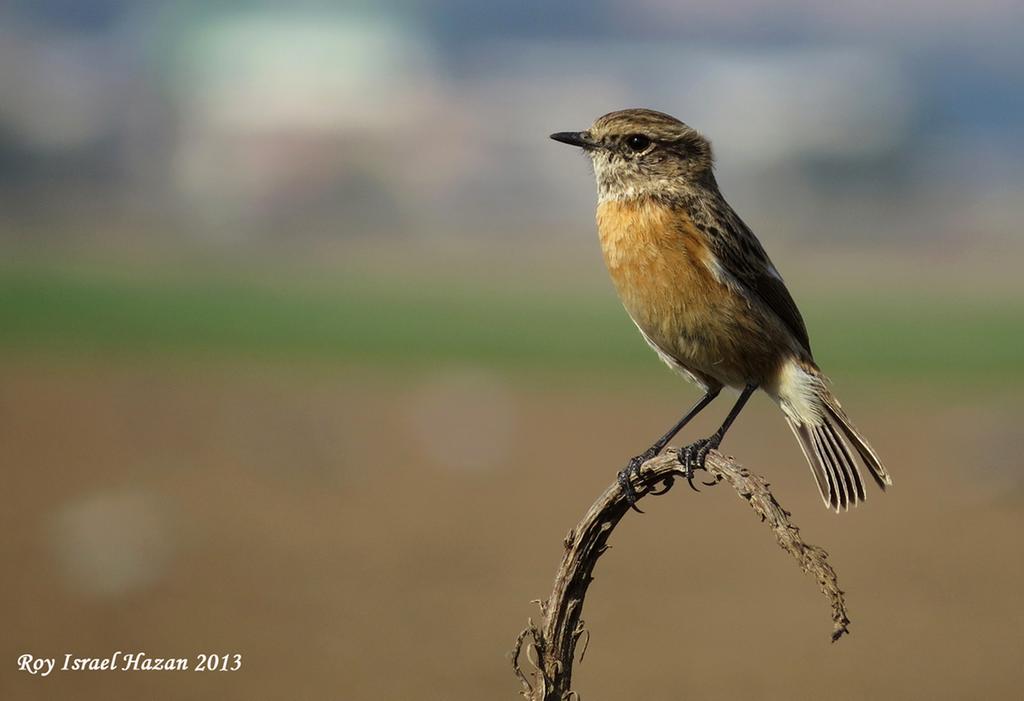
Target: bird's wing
743,259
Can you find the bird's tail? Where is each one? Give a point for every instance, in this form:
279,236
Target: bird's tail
826,434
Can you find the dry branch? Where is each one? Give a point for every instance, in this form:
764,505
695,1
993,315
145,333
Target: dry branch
551,646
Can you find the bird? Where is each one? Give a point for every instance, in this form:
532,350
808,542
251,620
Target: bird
705,296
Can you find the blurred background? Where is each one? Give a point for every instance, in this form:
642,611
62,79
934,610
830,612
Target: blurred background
309,354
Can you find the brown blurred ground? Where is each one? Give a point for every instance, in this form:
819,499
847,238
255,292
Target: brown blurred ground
362,536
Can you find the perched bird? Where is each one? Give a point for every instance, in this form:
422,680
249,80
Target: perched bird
706,297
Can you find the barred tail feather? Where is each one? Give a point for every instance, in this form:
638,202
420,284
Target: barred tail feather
834,469
870,458
827,437
823,475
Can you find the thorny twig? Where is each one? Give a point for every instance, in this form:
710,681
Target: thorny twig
551,647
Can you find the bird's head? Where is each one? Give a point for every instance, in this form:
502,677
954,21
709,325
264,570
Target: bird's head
639,152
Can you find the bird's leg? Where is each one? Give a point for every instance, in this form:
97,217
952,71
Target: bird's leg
693,456
633,468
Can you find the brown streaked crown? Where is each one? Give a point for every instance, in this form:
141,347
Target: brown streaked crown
641,151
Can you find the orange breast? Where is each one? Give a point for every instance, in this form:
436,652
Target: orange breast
659,263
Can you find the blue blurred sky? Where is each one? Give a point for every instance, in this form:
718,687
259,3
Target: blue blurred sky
243,121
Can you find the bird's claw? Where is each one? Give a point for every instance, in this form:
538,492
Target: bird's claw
666,485
693,456
626,476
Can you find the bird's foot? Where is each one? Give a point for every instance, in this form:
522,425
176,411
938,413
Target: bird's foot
693,457
627,474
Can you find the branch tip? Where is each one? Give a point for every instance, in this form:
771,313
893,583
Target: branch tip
554,644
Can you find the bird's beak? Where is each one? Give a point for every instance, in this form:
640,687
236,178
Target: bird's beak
575,138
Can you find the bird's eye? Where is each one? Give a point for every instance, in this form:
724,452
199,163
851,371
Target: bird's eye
637,142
